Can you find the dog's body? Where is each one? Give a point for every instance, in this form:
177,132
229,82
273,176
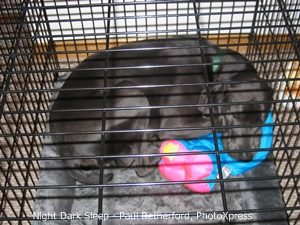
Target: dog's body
166,64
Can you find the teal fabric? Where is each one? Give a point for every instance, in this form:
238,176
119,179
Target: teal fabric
217,60
206,143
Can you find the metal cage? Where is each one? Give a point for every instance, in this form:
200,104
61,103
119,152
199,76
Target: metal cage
42,40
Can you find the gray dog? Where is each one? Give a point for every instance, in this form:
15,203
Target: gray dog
175,64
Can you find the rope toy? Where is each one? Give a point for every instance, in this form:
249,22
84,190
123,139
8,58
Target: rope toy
203,164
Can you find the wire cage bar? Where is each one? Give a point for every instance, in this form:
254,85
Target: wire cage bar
42,42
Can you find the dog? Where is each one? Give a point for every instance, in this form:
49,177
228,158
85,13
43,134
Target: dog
172,84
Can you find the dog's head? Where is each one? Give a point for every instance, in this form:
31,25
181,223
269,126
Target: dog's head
242,101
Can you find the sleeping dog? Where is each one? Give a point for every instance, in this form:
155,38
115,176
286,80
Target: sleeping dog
156,84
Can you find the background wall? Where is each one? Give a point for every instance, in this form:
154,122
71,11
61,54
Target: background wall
145,17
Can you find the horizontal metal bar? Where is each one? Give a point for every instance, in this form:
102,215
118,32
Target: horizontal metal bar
23,112
149,2
103,132
142,184
114,18
108,156
136,67
127,33
59,52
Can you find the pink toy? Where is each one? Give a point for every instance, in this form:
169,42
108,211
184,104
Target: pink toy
185,167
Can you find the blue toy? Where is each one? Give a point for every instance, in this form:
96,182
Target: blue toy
204,166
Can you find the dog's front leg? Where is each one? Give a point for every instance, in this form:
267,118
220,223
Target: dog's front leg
146,164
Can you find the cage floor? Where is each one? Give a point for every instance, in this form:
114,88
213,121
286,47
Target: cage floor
165,199
255,197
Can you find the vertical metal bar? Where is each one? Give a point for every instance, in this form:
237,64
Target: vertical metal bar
126,25
156,20
115,26
102,148
221,12
135,21
208,77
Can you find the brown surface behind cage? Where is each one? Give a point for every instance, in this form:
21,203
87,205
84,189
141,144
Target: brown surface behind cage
74,49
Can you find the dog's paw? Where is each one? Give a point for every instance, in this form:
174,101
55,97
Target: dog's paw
144,171
146,165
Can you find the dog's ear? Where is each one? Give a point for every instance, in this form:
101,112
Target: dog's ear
226,63
216,93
